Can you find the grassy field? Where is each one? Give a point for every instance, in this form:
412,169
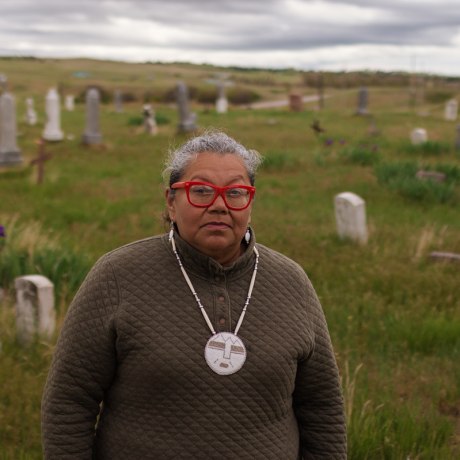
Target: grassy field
393,314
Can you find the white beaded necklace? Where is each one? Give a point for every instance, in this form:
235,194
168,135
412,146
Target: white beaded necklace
224,352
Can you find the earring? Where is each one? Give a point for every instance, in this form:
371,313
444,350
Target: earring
247,236
171,231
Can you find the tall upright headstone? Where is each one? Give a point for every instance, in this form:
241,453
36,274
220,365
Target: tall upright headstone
187,119
92,133
320,89
69,103
363,100
221,101
350,214
451,110
457,139
53,130
9,150
31,114
35,313
118,101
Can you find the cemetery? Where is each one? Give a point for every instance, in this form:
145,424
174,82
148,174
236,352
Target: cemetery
360,185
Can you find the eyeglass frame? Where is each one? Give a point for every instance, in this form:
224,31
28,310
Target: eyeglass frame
219,191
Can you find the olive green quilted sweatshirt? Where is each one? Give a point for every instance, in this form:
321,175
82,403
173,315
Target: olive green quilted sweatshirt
129,379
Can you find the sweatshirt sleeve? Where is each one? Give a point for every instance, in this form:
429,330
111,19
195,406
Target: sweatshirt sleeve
318,401
83,367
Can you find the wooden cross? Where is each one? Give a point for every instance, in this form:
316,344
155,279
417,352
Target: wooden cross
40,160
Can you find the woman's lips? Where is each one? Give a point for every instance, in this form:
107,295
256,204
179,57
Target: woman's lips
216,225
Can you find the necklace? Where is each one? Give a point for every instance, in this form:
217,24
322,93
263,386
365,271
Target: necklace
224,352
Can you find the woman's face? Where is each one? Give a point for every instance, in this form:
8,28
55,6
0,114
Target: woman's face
216,230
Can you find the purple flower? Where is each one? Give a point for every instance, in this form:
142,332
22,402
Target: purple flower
329,141
2,232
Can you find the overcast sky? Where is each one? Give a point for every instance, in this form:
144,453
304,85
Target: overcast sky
407,35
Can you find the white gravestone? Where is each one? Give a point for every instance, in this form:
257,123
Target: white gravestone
350,214
92,134
31,115
35,313
362,101
9,151
221,102
53,130
418,136
69,103
451,110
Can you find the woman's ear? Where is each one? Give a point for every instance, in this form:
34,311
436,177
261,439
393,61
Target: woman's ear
170,204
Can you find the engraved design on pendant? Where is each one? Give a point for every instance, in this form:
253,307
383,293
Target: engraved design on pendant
225,353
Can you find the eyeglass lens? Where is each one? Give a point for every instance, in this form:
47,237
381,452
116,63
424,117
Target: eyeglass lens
204,195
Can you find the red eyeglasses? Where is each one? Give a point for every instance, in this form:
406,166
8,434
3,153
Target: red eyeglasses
202,194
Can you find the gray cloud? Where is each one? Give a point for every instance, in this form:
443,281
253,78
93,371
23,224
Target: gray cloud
237,26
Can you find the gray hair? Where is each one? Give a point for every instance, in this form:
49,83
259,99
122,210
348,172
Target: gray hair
214,142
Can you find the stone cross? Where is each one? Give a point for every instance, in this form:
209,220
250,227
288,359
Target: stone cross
9,151
350,214
221,101
362,101
31,115
92,134
35,313
40,160
150,125
451,110
418,136
187,120
320,89
69,102
53,130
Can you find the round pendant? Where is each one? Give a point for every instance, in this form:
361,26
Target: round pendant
225,353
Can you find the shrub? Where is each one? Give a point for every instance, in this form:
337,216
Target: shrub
362,155
428,148
238,95
401,177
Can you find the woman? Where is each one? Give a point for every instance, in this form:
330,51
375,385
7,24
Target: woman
196,344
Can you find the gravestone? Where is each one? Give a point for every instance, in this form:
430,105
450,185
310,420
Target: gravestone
451,110
363,99
434,176
9,151
295,102
118,101
418,136
52,130
35,314
457,140
70,103
92,134
221,101
39,161
150,125
187,120
31,115
350,214
445,256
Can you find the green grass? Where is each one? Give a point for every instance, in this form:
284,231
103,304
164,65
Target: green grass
393,314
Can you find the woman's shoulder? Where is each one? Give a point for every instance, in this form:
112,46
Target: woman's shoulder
136,251
279,261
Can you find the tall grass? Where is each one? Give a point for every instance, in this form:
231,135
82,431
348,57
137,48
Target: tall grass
392,314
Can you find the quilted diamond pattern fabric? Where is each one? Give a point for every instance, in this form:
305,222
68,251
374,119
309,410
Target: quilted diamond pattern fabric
131,356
